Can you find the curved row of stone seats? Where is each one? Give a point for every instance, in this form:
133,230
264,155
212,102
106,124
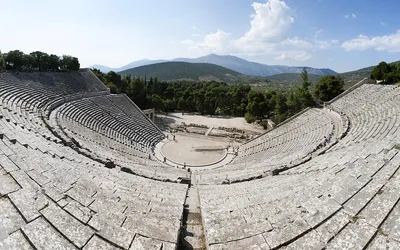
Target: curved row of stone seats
60,100
21,105
94,139
26,97
99,114
34,140
73,201
125,104
99,145
299,127
286,146
50,202
62,82
125,111
347,199
372,111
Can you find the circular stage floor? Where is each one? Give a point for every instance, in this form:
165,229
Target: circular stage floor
183,150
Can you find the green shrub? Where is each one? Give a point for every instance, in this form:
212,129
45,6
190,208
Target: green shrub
249,118
264,124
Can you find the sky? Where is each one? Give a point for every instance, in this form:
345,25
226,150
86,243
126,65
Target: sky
343,35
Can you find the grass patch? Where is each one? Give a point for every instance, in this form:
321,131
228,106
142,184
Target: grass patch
354,219
380,232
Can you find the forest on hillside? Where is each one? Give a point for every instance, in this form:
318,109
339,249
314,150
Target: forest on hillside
211,98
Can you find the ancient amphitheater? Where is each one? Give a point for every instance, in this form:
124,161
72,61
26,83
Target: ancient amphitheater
78,171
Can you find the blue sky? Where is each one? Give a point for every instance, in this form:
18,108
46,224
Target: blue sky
340,34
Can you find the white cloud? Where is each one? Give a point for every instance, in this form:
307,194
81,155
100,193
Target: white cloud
297,43
218,42
322,45
315,44
270,22
390,43
350,16
298,55
269,25
268,35
383,24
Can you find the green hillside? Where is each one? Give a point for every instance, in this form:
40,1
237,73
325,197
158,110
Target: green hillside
353,77
169,71
288,81
172,71
290,78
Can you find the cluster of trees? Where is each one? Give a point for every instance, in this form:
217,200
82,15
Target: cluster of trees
220,98
281,105
37,61
388,73
204,97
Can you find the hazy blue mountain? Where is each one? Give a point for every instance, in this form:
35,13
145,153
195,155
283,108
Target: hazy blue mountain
131,65
102,68
234,63
251,68
231,62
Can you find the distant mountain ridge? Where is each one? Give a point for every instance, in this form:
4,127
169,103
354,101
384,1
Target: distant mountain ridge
231,62
106,69
167,71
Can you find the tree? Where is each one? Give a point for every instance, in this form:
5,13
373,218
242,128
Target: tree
28,63
136,92
280,108
182,104
380,71
99,74
200,96
2,62
15,60
115,79
69,63
37,61
389,73
256,106
40,60
294,103
157,102
53,63
393,77
249,118
304,94
304,77
328,87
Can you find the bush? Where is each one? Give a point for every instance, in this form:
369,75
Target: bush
249,118
280,118
264,124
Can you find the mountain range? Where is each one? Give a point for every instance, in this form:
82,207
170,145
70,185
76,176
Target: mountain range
168,71
231,62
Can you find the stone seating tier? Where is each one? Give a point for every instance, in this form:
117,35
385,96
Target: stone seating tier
342,196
